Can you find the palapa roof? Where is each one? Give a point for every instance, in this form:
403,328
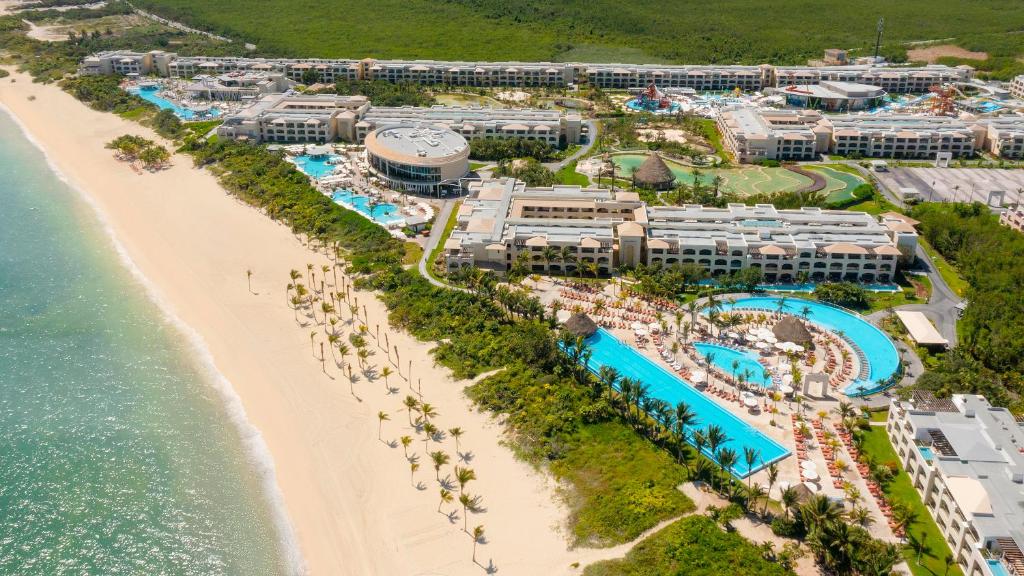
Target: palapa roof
654,172
580,325
789,329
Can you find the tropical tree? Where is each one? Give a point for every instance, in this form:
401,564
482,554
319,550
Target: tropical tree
413,467
440,459
381,417
385,372
456,433
750,456
478,534
406,442
446,497
467,501
463,476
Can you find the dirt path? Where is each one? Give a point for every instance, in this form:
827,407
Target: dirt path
931,54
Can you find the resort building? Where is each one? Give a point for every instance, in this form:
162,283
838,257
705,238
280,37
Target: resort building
501,219
1013,217
238,85
833,96
128,63
417,159
527,74
966,459
294,118
275,118
1017,87
753,134
549,126
1001,136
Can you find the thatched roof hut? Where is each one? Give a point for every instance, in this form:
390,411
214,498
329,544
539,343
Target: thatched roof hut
654,173
580,325
789,329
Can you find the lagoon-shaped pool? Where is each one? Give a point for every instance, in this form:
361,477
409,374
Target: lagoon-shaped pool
149,94
745,362
880,354
381,212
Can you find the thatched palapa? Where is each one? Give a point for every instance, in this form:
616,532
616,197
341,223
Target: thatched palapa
654,173
789,329
580,325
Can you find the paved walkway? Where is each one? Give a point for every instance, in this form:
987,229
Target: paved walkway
591,139
435,236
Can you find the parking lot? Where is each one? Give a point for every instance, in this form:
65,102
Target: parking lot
955,184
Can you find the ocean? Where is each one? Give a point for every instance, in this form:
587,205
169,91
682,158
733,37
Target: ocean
121,452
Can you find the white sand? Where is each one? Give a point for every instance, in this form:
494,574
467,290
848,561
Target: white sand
347,495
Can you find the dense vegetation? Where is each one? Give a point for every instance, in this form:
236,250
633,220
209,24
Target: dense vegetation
693,546
383,93
588,30
509,148
846,294
526,169
989,357
103,93
131,148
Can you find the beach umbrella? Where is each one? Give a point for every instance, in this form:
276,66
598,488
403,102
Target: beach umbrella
699,376
780,345
808,465
786,389
750,401
770,339
787,378
812,487
655,327
641,332
810,474
749,337
762,345
637,325
732,335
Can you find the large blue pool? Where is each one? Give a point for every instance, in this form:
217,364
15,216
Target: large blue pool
606,350
315,166
382,213
724,357
997,568
883,361
149,94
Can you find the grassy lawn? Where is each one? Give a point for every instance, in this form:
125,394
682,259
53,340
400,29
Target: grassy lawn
477,165
948,272
879,415
621,485
876,444
569,175
413,253
448,227
693,546
875,205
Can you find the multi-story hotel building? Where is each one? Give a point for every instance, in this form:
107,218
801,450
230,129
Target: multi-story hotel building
238,85
966,459
501,219
1017,87
525,74
1000,135
753,134
282,117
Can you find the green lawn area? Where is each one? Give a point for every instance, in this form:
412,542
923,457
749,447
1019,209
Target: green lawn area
569,175
948,272
875,205
621,485
477,165
448,227
876,444
879,415
413,253
693,546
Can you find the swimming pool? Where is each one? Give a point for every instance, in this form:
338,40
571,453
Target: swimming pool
381,213
926,453
996,568
810,286
315,166
880,355
149,94
606,350
724,358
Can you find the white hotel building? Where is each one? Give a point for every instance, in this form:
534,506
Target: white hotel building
501,219
892,79
966,459
328,117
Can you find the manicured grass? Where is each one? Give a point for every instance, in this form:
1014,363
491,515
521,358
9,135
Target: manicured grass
876,445
448,227
621,485
569,175
948,272
879,416
874,205
693,546
477,165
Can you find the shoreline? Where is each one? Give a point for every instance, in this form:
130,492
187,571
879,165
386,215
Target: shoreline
346,496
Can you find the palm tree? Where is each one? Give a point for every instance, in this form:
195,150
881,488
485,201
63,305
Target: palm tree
385,372
463,476
456,433
343,351
727,458
312,342
428,433
819,512
381,417
478,534
805,312
756,493
773,477
684,418
413,467
789,499
446,497
699,441
750,456
440,459
248,278
919,545
410,404
466,501
427,411
607,377
406,442
549,255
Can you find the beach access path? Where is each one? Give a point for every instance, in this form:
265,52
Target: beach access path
347,495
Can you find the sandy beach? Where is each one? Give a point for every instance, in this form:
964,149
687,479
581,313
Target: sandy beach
347,496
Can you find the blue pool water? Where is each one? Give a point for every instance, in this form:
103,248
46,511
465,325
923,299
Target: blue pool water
996,568
883,360
927,453
807,287
314,166
148,93
606,350
382,213
724,358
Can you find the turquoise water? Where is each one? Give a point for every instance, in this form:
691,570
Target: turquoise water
926,452
724,358
606,350
117,455
315,166
997,568
381,213
882,358
149,94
